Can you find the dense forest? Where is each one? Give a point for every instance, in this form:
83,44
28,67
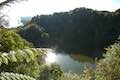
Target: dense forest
84,30
23,49
18,61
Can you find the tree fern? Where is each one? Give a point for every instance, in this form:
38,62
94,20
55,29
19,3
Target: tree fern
14,76
22,55
8,2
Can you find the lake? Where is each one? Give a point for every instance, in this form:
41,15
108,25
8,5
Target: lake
70,62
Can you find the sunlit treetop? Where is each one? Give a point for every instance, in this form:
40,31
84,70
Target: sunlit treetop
9,40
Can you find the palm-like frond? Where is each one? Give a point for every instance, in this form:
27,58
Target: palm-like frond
22,55
14,76
8,2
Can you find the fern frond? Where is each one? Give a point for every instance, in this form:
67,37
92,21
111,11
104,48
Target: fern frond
8,2
22,55
14,76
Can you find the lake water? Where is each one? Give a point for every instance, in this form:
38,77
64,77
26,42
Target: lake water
75,63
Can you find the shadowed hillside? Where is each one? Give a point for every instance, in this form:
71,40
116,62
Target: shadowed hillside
81,29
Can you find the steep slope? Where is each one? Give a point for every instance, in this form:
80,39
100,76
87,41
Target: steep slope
81,29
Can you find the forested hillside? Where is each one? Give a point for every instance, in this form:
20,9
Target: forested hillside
81,29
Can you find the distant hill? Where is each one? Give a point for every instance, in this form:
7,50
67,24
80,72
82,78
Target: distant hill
85,30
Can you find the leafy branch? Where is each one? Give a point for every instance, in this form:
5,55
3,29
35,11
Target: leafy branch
14,76
22,55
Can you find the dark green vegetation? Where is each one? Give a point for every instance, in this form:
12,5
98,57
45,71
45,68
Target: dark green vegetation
35,34
81,29
106,68
9,40
81,58
85,30
23,63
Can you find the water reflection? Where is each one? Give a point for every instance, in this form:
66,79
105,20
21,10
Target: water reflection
74,63
69,64
50,57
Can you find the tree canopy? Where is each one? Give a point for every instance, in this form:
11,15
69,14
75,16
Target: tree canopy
85,30
9,40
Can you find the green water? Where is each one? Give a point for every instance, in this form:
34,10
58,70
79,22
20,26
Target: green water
75,63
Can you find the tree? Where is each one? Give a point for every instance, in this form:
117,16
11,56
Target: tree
9,41
109,66
35,34
3,4
85,30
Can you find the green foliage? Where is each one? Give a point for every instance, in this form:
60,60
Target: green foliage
14,76
81,29
26,61
21,55
32,68
83,76
71,76
109,67
51,72
9,41
81,58
45,35
35,34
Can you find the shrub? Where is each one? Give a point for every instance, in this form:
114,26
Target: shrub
9,41
51,72
109,66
